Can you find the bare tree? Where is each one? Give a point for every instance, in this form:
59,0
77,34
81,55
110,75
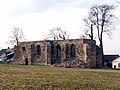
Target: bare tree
57,34
17,35
101,17
87,33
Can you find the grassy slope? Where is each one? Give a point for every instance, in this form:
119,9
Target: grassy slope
18,77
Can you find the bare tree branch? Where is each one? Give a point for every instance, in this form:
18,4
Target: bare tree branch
102,19
57,34
17,35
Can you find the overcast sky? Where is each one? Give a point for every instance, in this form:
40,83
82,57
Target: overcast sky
36,17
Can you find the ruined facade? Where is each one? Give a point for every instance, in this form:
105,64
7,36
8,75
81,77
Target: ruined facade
82,51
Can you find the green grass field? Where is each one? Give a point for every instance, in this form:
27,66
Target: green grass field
20,77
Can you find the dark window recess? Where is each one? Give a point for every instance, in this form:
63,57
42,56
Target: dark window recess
58,54
38,49
73,51
23,48
67,51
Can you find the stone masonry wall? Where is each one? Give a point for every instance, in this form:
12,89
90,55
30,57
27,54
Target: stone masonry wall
90,47
79,53
62,52
27,52
85,53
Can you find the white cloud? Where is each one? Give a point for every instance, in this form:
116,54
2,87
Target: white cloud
7,6
36,17
39,23
36,24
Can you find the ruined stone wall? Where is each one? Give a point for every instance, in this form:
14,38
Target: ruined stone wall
65,48
85,51
56,52
17,56
90,49
27,51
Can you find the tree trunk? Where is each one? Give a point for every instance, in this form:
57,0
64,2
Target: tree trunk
102,51
17,42
91,32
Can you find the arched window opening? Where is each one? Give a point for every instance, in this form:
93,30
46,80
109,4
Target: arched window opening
58,54
58,48
38,49
67,51
73,51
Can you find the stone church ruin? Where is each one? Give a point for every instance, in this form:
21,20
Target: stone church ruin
83,53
